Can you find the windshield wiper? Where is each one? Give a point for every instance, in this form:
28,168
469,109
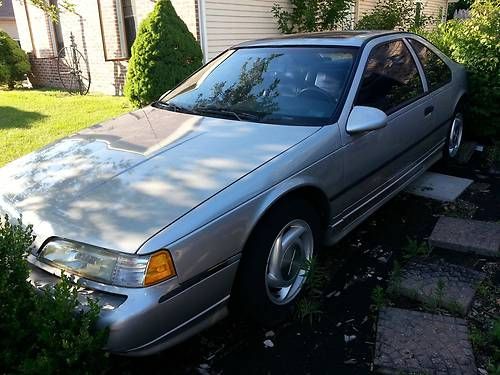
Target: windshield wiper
240,116
170,107
208,110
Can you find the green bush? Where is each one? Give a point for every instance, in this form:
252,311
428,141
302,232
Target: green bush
401,15
312,15
14,63
475,43
43,333
163,54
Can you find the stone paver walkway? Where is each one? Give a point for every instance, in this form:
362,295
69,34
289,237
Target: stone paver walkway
439,284
439,186
473,236
422,343
415,342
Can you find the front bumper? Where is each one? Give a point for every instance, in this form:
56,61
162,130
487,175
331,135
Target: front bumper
143,321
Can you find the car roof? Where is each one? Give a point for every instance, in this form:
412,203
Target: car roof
328,38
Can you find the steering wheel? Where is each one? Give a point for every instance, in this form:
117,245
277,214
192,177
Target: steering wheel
317,93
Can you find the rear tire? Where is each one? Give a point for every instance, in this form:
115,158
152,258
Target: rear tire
272,270
454,137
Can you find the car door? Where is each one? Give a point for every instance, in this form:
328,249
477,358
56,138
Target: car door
392,82
438,77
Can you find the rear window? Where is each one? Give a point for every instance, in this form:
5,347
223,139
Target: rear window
286,85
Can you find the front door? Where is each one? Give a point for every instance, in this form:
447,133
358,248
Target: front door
392,83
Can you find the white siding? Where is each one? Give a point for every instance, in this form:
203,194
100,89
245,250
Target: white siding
435,8
230,22
9,26
187,11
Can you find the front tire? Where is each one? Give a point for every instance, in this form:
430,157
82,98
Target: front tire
273,268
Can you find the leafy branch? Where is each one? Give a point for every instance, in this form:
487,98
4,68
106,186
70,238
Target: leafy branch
51,10
312,15
405,15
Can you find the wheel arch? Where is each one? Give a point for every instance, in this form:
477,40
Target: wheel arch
463,99
307,192
312,195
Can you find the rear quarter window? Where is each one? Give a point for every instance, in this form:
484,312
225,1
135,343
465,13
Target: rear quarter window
436,70
391,79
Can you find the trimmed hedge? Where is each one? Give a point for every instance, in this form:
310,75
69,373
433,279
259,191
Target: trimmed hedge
163,54
14,63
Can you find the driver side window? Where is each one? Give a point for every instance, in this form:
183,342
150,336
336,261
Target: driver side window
391,79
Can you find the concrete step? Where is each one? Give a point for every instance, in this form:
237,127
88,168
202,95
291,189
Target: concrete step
439,186
439,284
422,343
470,236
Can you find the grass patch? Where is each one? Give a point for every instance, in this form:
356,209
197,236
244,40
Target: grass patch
436,299
310,309
309,306
317,277
379,297
30,119
486,290
395,279
415,249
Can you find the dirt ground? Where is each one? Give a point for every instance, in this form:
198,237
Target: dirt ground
341,337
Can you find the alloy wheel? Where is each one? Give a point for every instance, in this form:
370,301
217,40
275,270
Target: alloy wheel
286,270
456,131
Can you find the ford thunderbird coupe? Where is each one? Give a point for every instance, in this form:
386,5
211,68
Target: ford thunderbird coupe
216,197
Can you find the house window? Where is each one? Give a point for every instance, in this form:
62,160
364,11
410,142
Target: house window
118,28
128,23
56,27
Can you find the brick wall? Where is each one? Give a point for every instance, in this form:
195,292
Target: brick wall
44,72
98,38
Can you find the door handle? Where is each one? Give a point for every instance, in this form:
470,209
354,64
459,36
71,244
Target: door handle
428,110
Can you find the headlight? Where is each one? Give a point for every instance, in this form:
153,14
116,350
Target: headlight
109,267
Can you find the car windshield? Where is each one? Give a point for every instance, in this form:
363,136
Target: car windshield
286,85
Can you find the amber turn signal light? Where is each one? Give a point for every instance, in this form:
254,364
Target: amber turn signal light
160,268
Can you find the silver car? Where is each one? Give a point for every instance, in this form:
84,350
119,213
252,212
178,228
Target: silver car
218,195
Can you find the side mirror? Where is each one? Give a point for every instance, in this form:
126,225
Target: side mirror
363,119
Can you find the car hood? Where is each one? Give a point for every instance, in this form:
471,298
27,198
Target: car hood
118,183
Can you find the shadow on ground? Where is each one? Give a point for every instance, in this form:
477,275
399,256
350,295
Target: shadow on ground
11,118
